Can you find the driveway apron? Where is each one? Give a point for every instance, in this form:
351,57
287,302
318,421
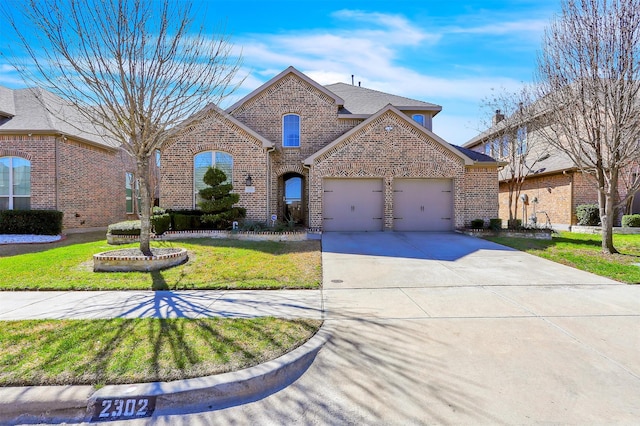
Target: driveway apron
449,329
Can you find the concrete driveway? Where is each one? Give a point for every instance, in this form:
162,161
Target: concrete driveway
448,329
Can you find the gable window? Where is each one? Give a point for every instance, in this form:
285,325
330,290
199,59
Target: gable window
291,131
15,183
418,118
202,162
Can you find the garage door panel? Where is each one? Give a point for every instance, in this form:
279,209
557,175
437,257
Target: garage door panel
423,205
353,205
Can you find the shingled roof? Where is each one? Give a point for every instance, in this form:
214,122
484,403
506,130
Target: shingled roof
37,111
362,101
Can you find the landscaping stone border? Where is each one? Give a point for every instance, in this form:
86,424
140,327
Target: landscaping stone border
111,261
538,234
598,230
236,235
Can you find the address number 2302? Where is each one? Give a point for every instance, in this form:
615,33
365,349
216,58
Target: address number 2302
123,408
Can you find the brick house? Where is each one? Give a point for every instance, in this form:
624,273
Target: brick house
47,162
336,157
554,186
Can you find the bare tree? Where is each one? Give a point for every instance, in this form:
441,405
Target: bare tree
134,68
512,121
589,78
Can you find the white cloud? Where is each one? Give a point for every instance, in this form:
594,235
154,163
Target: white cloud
504,27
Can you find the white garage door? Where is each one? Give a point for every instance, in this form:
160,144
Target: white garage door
353,205
422,205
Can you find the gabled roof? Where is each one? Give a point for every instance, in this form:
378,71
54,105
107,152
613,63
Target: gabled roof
457,151
37,111
194,119
274,80
361,101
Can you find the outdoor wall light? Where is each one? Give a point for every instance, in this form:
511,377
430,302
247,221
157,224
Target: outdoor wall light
249,181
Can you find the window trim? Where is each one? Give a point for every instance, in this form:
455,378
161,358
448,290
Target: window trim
213,164
299,130
422,118
11,196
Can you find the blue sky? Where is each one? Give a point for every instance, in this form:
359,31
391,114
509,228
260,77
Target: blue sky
448,53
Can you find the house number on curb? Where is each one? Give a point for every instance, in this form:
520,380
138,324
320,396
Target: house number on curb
106,409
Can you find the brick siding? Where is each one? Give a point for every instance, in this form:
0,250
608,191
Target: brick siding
85,182
214,133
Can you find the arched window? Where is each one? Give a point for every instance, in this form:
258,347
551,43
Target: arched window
15,183
202,162
291,131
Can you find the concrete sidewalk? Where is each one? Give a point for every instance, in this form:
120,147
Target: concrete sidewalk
160,304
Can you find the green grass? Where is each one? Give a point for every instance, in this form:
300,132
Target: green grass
583,251
213,264
98,352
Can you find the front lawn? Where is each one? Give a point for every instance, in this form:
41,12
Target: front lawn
583,251
99,352
213,264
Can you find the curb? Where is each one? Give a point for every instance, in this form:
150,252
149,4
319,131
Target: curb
58,404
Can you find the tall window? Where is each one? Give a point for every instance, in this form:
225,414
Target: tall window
131,189
202,162
291,130
521,140
418,118
15,183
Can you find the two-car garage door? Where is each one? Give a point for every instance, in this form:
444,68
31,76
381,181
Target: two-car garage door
358,205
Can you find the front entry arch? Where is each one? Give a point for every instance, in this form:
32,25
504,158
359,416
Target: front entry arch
293,205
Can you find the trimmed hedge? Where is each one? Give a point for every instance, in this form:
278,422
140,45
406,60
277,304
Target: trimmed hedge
631,220
495,224
160,223
38,222
477,224
588,215
128,227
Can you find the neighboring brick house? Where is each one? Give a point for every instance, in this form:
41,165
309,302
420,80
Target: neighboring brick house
554,186
47,163
337,157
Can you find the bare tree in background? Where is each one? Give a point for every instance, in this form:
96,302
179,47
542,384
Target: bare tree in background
513,119
589,78
133,68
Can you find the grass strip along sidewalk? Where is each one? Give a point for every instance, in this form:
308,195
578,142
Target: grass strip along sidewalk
583,251
116,351
98,352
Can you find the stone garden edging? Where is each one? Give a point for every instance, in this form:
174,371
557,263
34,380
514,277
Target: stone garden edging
235,235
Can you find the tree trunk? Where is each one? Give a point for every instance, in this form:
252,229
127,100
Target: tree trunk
145,206
606,201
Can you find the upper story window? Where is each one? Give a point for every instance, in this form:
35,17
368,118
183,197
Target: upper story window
202,162
418,118
15,183
521,140
291,131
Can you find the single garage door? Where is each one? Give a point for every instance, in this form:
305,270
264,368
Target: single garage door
422,204
353,205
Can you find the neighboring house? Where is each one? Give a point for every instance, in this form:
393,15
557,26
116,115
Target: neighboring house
50,158
553,186
332,158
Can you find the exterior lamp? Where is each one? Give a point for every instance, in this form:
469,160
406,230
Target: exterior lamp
249,181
